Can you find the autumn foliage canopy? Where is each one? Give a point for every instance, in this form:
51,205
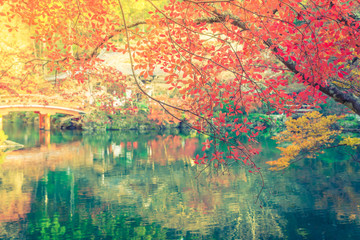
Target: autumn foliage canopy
222,58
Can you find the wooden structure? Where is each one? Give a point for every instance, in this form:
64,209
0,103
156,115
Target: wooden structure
45,106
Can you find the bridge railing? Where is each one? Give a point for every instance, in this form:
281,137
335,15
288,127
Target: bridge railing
76,102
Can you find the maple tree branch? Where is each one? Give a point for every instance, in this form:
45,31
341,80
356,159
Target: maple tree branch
133,71
344,97
215,135
110,36
221,17
3,72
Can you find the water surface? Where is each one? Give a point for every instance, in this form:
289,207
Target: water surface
145,186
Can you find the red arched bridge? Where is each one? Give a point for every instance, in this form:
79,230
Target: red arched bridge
45,106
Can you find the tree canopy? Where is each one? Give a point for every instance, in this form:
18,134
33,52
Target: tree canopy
222,59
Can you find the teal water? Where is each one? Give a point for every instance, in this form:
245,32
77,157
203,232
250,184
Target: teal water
145,186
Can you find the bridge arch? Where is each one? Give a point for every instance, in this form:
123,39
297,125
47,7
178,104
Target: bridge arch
44,107
48,109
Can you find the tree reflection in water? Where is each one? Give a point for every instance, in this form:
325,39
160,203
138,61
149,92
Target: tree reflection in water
146,187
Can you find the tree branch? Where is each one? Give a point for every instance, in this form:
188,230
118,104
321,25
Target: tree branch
344,97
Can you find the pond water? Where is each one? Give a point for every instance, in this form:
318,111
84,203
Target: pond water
145,186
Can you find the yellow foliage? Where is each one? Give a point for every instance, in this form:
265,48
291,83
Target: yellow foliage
307,134
351,79
16,49
349,141
3,137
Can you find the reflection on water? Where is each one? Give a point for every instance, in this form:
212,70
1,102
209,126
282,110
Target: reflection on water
132,186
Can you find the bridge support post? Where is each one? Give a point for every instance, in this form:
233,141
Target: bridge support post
41,121
44,121
47,122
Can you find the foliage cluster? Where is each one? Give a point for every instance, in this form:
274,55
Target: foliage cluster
3,137
232,54
307,135
351,141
